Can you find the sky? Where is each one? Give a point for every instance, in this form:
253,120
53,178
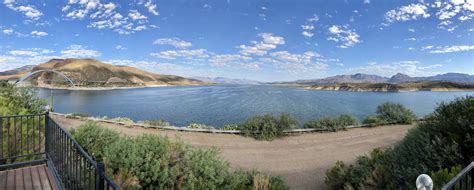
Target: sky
265,40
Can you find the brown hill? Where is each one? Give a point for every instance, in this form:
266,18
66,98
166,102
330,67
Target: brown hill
94,73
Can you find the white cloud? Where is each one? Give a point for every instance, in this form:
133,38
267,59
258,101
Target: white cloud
135,15
344,36
411,30
206,6
176,42
172,54
427,47
106,15
38,34
76,51
269,42
29,11
307,34
8,31
120,47
23,53
229,60
451,49
314,18
307,27
407,67
430,66
151,8
406,13
366,1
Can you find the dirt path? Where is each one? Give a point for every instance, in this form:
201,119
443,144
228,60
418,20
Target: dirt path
301,160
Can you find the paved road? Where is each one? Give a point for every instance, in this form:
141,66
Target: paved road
301,160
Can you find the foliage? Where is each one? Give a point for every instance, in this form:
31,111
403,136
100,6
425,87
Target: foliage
332,124
256,180
19,101
80,115
198,126
267,127
123,120
156,123
373,120
390,113
94,139
156,162
444,140
443,176
230,127
205,169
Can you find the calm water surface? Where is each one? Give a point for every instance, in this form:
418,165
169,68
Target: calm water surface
219,105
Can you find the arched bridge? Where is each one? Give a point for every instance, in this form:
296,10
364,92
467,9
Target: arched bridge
44,70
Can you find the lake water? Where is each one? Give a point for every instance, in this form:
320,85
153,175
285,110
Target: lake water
225,104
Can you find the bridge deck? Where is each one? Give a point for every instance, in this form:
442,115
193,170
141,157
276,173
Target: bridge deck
34,177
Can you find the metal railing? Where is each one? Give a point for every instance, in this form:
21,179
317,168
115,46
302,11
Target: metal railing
38,139
463,181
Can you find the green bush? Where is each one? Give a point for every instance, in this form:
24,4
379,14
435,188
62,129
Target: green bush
332,124
198,126
205,169
267,127
390,113
156,162
443,176
94,139
230,127
156,123
19,101
373,120
443,140
242,179
122,120
80,115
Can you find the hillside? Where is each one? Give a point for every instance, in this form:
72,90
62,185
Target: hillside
94,73
395,79
387,87
223,80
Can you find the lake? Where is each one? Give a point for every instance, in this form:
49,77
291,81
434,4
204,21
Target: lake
226,104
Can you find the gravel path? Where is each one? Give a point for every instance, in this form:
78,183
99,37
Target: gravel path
301,160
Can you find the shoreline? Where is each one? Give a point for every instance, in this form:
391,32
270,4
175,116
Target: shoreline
381,90
112,88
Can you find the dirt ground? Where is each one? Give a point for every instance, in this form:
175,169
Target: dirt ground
301,160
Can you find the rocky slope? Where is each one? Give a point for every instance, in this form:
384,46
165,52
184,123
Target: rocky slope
94,73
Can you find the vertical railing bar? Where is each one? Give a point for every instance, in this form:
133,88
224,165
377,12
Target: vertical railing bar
8,138
21,135
27,136
1,138
14,138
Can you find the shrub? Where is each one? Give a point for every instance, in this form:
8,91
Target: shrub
444,140
80,115
242,179
94,139
123,120
205,169
198,126
443,176
332,124
230,127
19,101
156,162
395,113
156,123
373,120
267,127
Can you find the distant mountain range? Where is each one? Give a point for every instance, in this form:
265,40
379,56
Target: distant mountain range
94,73
395,79
223,80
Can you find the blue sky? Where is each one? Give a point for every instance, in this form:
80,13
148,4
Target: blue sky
256,39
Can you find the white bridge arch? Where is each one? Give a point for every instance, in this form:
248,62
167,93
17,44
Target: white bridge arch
44,70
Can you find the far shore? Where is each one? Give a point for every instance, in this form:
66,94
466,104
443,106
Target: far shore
111,88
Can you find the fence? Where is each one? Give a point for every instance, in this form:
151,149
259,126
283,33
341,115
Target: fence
462,181
37,139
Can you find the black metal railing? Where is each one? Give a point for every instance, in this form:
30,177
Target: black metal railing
38,139
463,181
22,139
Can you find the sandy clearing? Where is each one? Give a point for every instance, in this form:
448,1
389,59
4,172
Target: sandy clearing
301,159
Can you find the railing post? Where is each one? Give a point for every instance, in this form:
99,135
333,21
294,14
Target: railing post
47,135
99,184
